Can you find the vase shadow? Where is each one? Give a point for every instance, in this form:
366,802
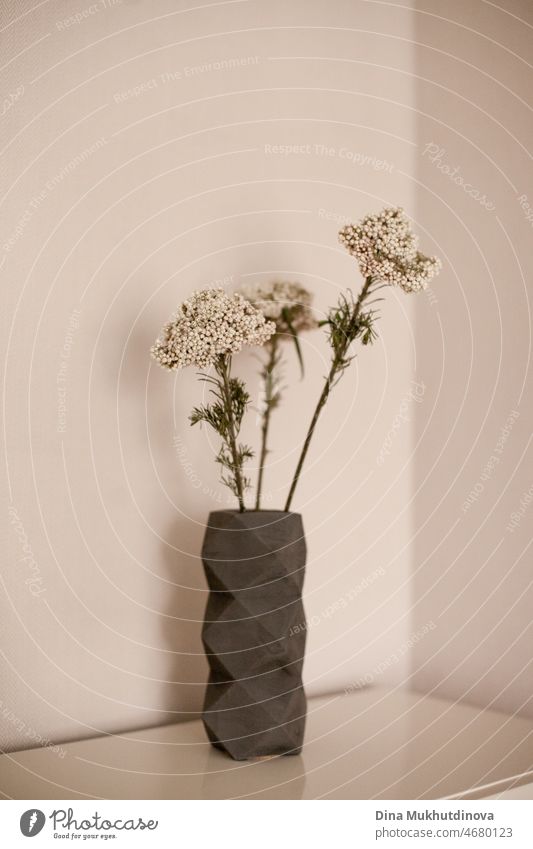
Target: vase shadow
182,625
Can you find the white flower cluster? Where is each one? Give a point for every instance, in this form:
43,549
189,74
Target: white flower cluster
208,325
387,249
283,302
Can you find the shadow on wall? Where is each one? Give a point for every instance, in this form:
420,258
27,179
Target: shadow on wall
181,626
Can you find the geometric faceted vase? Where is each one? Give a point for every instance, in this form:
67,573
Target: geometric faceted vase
254,632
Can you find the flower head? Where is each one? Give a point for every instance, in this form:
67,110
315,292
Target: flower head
288,305
386,248
208,325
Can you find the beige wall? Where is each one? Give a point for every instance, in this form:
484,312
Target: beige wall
175,183
140,163
472,464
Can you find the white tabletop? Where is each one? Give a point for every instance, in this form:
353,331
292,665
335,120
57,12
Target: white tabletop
371,744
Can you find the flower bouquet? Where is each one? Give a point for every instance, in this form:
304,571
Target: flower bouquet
254,559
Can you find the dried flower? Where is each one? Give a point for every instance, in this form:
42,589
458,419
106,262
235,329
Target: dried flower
287,304
387,249
387,252
208,325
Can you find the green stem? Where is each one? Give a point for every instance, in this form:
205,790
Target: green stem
224,369
336,366
268,375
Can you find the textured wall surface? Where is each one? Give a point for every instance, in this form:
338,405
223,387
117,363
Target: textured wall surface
150,149
473,483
